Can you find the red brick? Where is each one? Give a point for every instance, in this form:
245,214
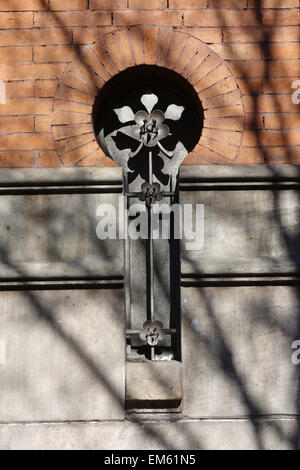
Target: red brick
20,89
86,86
112,5
111,45
80,69
191,47
231,4
24,5
70,158
187,4
63,117
97,158
275,155
16,124
90,161
177,44
17,159
273,4
61,105
26,141
250,86
68,4
105,58
68,94
150,45
28,37
226,111
251,155
228,99
246,34
224,149
165,38
146,5
289,33
165,18
45,88
254,121
242,69
278,85
15,55
231,123
26,106
273,68
261,34
16,20
89,35
54,53
226,18
31,71
125,46
208,35
197,61
209,64
48,159
284,68
269,138
282,121
137,42
209,156
231,137
269,104
89,58
67,145
43,123
193,159
282,51
74,130
219,88
76,18
238,51
282,155
281,17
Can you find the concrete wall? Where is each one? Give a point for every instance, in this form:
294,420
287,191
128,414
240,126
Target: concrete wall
62,323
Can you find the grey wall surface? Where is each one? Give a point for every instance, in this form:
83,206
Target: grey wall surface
62,342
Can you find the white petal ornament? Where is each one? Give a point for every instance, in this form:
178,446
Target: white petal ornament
124,114
149,101
174,112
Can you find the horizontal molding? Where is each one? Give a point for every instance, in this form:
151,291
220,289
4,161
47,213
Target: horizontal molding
60,177
236,280
65,284
109,179
118,282
239,186
196,174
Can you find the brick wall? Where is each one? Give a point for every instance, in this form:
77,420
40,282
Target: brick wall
259,41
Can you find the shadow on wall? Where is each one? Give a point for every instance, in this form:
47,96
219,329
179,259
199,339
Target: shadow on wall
223,357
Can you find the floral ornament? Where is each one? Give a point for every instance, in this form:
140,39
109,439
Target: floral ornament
149,129
152,332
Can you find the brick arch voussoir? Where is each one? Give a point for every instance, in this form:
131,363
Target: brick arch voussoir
171,48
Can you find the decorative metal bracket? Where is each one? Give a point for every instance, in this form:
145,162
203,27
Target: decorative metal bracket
150,152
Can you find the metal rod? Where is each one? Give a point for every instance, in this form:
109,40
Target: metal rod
152,353
165,194
168,331
150,168
151,247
